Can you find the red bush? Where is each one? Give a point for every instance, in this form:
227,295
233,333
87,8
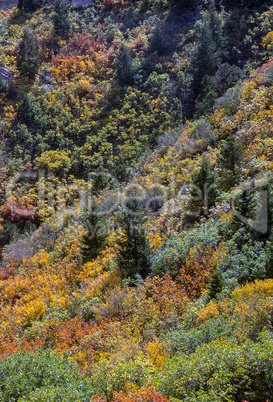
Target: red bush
18,212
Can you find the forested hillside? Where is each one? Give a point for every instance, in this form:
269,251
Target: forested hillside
136,205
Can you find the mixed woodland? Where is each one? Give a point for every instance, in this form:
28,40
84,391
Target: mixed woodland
136,207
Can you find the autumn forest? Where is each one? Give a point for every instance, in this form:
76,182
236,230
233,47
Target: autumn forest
136,201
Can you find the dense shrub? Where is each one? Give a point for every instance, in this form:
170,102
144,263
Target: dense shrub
172,255
187,341
222,370
44,376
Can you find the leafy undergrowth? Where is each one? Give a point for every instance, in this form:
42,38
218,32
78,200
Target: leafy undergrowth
160,116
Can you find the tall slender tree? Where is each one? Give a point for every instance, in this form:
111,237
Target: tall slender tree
134,252
26,5
229,160
28,58
216,285
25,107
269,258
124,68
209,52
157,43
245,203
203,191
60,19
230,4
244,207
3,85
29,5
93,241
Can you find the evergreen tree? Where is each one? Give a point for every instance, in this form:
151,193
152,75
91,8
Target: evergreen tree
205,60
264,210
230,158
121,172
269,258
93,241
185,4
26,5
244,205
29,5
28,58
157,43
217,35
3,85
210,52
216,285
25,107
203,190
124,68
230,4
144,6
7,232
130,20
134,252
60,19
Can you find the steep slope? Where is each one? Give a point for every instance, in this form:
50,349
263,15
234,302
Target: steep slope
137,203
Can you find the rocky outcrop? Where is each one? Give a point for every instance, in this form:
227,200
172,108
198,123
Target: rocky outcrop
6,74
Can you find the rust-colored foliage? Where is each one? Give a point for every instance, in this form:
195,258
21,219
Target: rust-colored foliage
143,395
113,4
196,273
167,294
18,211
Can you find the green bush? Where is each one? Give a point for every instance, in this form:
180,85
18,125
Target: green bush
246,260
187,341
171,256
40,377
112,376
221,371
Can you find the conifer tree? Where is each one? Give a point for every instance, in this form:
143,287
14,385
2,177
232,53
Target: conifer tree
264,210
60,20
245,203
230,4
267,192
29,5
3,85
134,252
93,241
230,158
28,58
129,21
216,29
210,51
192,4
26,5
216,285
144,6
205,60
157,43
124,69
25,107
203,191
269,258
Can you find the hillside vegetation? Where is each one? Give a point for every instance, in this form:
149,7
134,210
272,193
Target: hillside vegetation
136,201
